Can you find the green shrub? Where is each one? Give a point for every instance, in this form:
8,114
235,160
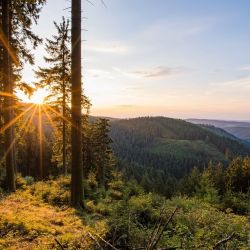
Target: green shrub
29,180
239,203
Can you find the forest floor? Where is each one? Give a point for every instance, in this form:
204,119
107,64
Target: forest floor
27,222
37,217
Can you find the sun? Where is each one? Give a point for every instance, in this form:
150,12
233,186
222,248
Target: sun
38,96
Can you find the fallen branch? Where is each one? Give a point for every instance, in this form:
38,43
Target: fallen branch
223,241
61,246
163,229
94,239
106,242
156,229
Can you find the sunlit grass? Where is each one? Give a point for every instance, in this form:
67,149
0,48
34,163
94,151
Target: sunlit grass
28,220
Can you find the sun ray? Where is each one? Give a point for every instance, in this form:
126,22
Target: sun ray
5,94
61,116
49,118
40,135
31,119
11,107
22,128
13,121
5,43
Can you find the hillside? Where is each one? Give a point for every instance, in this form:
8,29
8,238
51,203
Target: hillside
236,128
169,148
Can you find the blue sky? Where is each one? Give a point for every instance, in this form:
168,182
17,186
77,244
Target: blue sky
177,58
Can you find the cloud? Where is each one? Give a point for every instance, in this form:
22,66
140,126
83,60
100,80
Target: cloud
99,73
245,68
115,48
242,83
156,72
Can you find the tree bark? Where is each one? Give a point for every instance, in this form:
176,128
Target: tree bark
12,84
8,100
76,137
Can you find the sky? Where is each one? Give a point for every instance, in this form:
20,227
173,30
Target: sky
174,58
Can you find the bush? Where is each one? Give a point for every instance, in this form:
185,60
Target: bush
237,202
55,192
29,180
20,182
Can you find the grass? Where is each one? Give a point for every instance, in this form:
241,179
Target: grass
37,215
27,221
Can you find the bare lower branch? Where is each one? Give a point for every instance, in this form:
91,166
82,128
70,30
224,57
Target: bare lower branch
223,241
59,244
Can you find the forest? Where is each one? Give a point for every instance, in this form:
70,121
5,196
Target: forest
70,180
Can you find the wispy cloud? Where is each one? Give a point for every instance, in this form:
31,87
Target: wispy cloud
245,68
99,73
156,72
114,47
241,84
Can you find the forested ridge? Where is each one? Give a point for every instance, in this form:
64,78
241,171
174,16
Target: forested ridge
162,150
69,180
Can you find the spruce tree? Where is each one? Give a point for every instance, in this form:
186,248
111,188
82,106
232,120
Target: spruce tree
17,18
56,77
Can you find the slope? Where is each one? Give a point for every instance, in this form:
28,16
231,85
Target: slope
169,148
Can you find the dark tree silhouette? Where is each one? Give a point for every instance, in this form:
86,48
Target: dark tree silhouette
8,89
76,138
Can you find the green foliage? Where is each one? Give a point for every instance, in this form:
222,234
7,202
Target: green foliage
28,222
238,175
206,189
55,192
98,157
29,180
166,150
20,182
236,202
126,220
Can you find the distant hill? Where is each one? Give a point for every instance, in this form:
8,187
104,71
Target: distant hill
169,148
236,128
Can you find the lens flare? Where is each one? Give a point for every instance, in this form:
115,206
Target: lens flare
38,97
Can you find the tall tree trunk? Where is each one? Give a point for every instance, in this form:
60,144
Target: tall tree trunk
76,137
8,88
12,85
41,144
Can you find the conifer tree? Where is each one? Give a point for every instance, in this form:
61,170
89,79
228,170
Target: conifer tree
98,157
103,152
56,77
17,18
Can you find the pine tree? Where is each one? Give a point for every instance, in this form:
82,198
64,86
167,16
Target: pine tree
17,18
56,78
98,156
102,151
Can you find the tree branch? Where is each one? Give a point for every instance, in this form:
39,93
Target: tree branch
223,241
